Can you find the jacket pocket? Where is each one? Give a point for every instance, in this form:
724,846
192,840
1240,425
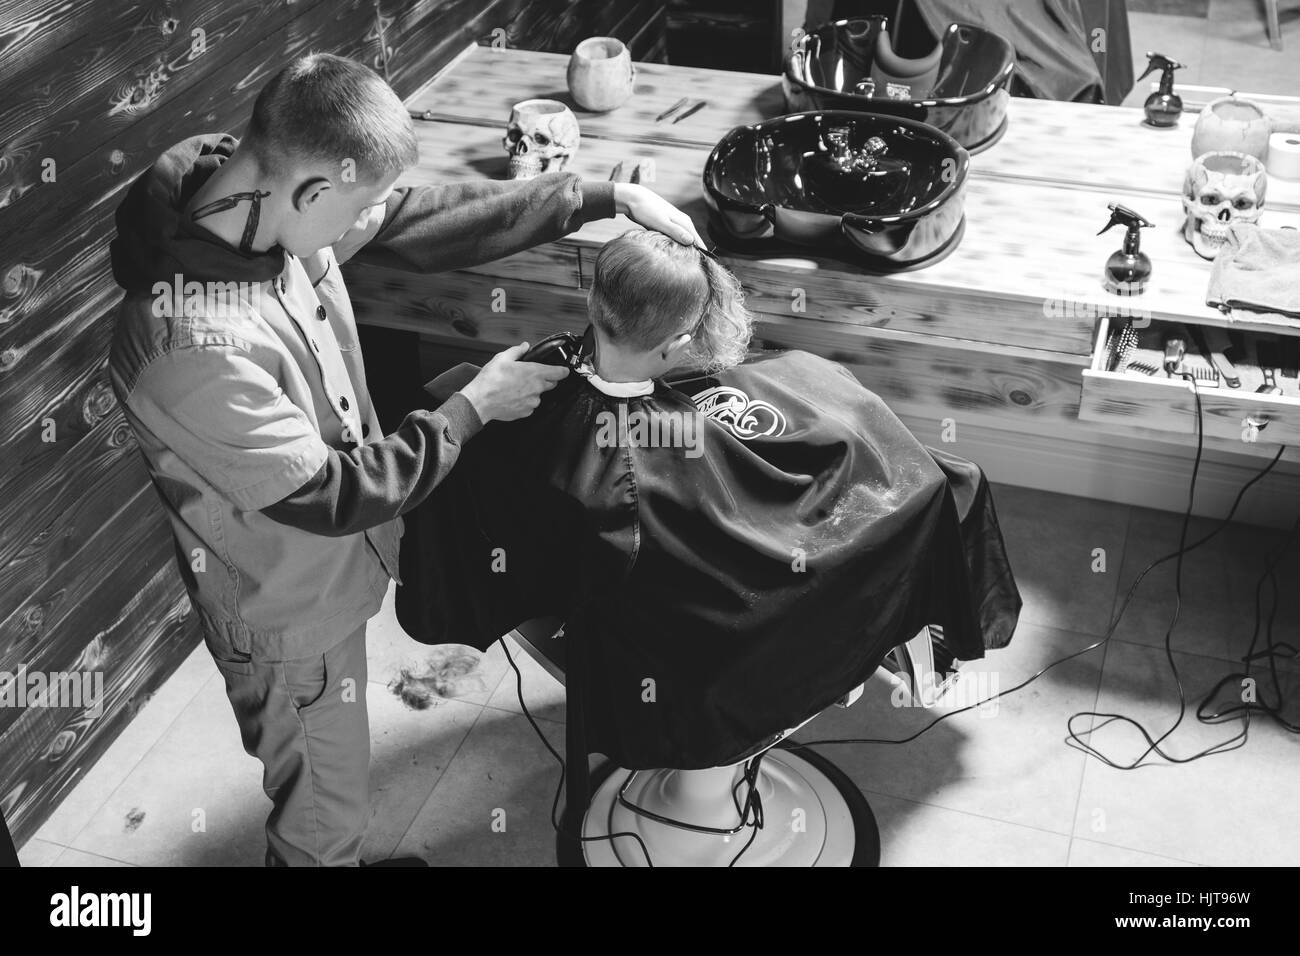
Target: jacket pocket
228,659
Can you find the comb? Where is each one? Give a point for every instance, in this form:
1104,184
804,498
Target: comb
1142,367
1206,376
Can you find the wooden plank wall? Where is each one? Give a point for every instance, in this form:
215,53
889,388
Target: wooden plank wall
93,92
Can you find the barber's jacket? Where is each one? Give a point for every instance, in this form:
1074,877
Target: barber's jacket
289,383
236,411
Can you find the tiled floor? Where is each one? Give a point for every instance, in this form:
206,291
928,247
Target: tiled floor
466,782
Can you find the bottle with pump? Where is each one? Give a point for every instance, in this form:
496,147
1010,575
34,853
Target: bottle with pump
1128,268
1164,106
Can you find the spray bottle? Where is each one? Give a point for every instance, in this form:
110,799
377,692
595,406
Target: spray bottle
1164,106
1128,268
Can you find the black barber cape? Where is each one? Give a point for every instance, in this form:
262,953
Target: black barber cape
720,585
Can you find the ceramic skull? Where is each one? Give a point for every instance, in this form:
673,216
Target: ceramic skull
541,137
1221,188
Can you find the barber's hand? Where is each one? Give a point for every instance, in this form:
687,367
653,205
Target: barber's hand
647,208
507,389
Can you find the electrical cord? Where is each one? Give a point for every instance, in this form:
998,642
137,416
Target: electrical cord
1184,548
1241,738
753,800
1075,739
559,788
1272,652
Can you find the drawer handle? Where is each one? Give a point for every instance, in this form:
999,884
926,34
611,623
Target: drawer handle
1251,426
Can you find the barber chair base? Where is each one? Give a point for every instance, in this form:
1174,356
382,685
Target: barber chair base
813,815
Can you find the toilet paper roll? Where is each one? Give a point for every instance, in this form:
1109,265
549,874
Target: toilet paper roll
1284,155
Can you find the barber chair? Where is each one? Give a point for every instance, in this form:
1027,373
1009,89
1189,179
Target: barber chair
810,812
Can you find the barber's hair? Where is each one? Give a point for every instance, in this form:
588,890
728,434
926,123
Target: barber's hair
327,108
648,286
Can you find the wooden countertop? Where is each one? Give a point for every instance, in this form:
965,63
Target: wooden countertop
1046,141
1026,274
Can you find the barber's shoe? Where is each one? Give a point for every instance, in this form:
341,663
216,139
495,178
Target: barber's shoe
397,861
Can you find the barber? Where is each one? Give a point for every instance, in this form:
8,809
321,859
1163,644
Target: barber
254,419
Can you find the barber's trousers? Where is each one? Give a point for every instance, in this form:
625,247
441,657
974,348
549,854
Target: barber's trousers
306,721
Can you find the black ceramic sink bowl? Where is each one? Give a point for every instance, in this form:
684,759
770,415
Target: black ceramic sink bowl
778,180
957,83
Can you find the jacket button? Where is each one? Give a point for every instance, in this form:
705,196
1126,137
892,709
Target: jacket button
343,402
320,312
365,430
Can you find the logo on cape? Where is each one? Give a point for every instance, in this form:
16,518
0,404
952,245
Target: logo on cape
745,417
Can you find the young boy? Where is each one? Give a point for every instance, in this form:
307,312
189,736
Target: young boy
235,360
732,545
657,305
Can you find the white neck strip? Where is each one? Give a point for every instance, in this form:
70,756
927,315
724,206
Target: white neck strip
621,389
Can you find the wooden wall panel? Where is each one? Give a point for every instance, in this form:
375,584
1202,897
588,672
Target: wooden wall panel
45,486
45,546
129,59
69,608
136,636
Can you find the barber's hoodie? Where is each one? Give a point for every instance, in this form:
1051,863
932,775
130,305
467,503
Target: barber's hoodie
242,379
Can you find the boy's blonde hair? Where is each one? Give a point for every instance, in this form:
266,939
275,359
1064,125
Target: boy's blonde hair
648,287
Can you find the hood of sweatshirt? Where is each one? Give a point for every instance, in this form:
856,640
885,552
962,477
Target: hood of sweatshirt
155,241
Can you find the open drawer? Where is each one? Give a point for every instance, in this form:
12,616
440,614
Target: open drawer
1168,404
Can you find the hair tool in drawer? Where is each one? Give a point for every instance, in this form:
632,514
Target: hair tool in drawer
1119,347
1268,353
1215,346
1175,349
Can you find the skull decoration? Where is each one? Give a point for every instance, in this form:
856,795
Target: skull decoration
542,137
1221,188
